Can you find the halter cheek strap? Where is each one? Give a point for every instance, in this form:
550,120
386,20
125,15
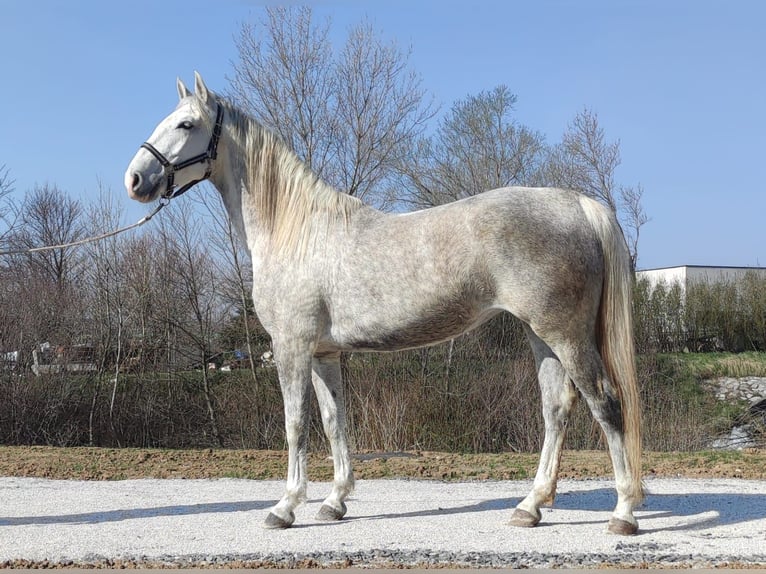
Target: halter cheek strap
208,156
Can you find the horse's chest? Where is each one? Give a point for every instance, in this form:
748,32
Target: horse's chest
285,303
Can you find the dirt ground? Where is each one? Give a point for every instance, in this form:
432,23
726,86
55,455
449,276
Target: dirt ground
116,464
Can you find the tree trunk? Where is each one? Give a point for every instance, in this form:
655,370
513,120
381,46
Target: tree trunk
210,404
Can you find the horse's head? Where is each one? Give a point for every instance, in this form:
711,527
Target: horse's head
181,150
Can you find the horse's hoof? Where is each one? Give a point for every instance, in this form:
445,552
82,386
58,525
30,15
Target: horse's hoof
274,522
622,527
328,514
523,519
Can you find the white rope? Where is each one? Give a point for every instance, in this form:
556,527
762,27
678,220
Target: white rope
88,239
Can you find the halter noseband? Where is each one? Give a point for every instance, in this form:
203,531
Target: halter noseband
207,156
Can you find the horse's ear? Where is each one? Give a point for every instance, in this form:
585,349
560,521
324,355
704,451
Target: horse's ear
183,91
200,88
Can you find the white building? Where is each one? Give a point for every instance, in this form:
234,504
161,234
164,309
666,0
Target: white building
686,275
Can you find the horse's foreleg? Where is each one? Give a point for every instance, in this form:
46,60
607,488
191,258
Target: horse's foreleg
294,377
328,388
558,397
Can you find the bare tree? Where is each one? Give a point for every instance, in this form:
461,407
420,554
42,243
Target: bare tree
634,218
6,205
478,146
49,217
586,162
48,281
10,324
195,279
234,272
6,183
380,110
104,285
285,80
351,117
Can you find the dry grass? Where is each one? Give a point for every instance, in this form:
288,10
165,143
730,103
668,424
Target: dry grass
119,464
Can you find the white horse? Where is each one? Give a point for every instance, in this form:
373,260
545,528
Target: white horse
333,275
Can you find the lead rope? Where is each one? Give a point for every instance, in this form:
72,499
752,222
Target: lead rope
140,222
170,168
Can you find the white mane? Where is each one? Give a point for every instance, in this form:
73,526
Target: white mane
289,200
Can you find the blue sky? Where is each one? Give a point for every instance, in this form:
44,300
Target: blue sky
680,83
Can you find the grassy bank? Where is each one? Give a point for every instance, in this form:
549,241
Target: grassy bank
128,463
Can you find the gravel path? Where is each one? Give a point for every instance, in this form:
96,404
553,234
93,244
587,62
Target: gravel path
195,523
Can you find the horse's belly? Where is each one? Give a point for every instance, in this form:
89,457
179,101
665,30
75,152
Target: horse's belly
391,331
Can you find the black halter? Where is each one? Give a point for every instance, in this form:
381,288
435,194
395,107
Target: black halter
207,156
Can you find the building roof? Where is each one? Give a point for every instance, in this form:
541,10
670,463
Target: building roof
744,268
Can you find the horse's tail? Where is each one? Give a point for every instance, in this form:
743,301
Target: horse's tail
614,330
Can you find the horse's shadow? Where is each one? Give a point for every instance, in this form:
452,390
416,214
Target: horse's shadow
138,513
729,508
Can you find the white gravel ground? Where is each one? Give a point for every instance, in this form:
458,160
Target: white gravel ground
203,522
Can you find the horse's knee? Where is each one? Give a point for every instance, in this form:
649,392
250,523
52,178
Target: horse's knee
556,414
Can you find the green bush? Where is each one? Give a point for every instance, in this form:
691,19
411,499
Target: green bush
723,316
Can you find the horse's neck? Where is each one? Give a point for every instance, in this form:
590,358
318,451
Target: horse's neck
230,181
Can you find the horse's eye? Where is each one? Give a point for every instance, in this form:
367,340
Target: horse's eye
187,125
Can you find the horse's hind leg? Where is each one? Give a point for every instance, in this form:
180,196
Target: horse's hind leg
328,387
558,397
586,369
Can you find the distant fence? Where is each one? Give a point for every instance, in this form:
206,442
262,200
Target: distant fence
48,359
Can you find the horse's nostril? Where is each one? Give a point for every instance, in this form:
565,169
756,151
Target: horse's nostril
136,181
